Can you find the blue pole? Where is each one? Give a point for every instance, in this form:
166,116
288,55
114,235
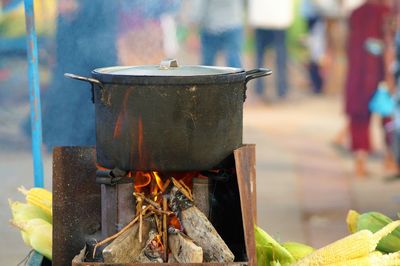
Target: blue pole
34,94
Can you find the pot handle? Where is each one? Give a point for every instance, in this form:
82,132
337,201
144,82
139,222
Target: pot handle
92,81
253,74
257,73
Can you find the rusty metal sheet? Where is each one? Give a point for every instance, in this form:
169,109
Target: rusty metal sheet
245,170
76,201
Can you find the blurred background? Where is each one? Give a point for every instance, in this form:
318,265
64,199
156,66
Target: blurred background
321,148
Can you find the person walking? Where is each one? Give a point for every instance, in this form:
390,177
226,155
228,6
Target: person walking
315,42
365,71
220,24
270,20
146,31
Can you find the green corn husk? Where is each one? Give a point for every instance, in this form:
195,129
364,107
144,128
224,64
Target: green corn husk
269,251
374,221
39,234
22,212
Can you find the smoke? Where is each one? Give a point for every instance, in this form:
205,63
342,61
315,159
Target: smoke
92,34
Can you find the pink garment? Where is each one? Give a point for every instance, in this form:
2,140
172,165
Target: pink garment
365,70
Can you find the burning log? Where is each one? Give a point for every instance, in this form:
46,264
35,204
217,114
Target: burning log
181,186
126,248
152,251
165,233
123,230
199,228
184,250
171,259
140,196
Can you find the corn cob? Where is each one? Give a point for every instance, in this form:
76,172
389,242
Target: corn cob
22,212
351,220
359,244
39,234
374,221
374,259
26,211
39,197
298,250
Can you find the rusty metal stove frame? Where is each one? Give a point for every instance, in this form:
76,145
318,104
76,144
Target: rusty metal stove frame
77,206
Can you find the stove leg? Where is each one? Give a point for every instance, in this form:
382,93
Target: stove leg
109,210
76,201
114,198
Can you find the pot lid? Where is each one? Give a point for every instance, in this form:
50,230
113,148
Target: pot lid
168,71
167,68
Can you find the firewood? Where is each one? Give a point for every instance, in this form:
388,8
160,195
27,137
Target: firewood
171,259
126,248
184,250
139,210
150,253
126,228
160,212
166,184
186,189
182,188
158,224
199,229
140,227
149,201
165,229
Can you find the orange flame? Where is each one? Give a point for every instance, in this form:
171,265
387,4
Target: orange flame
174,222
121,115
99,167
142,179
158,179
157,243
118,124
140,140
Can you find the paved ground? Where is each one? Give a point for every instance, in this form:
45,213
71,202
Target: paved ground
304,186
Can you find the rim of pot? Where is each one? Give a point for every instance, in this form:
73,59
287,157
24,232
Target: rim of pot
169,77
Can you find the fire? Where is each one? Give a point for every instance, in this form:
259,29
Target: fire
121,116
153,184
99,167
140,140
141,180
118,124
159,182
157,242
174,222
137,150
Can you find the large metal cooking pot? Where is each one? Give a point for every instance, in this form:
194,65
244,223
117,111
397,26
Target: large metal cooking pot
168,117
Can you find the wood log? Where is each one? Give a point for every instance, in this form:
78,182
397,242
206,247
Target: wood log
184,250
148,253
171,259
200,230
80,257
165,229
126,248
